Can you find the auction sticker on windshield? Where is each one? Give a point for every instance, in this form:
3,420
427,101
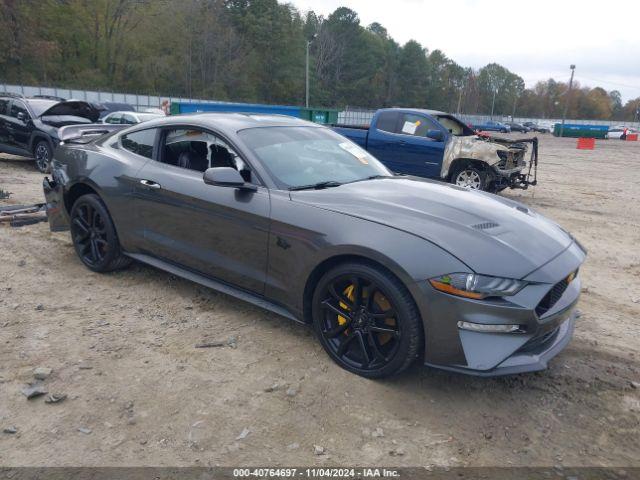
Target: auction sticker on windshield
356,151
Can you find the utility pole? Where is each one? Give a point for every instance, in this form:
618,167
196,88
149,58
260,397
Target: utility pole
307,77
566,101
465,83
459,100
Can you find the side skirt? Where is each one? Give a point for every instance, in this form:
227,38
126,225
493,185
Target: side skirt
217,285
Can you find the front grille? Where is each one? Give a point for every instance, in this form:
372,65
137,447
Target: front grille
519,158
510,159
552,297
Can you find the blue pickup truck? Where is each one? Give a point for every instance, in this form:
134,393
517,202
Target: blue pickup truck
432,144
491,126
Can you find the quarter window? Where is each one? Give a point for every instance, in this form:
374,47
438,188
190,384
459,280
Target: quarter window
128,119
140,142
114,119
4,107
387,121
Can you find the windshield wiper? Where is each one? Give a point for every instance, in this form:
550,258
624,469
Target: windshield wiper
317,186
372,177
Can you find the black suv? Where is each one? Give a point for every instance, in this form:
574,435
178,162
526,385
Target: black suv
29,125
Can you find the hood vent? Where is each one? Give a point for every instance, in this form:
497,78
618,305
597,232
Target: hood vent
485,225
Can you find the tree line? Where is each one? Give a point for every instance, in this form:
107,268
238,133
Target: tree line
254,51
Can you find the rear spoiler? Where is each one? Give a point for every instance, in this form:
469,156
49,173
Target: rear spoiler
86,133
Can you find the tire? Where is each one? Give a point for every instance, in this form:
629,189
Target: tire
503,131
375,333
470,177
94,236
43,154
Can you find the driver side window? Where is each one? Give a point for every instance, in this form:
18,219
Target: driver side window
198,150
415,125
18,108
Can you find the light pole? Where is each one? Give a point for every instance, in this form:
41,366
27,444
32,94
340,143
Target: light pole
460,97
307,77
513,113
493,102
306,81
566,101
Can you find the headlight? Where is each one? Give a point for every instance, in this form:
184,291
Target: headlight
503,154
470,285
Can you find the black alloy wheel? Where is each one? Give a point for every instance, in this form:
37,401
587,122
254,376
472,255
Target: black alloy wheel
94,237
367,321
42,154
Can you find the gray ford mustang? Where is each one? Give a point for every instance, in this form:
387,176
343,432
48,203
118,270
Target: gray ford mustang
295,218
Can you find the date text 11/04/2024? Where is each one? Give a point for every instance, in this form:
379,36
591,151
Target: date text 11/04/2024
316,472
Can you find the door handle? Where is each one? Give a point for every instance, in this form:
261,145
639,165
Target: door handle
150,184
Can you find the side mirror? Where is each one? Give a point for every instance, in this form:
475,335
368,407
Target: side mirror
21,116
226,177
435,135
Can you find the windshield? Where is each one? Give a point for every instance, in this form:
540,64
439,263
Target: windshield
455,126
41,106
298,156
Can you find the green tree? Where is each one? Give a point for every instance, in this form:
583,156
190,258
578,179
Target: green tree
254,50
413,75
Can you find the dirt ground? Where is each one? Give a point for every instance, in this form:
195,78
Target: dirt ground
122,347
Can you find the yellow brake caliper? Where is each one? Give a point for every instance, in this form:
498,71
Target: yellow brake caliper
349,293
382,302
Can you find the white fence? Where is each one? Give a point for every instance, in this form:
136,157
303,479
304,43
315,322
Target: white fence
357,116
350,116
139,102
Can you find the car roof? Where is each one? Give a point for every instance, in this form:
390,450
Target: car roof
416,110
230,122
30,99
133,112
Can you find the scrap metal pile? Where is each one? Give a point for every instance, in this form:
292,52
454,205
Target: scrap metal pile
20,215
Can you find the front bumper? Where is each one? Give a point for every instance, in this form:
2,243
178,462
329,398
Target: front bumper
545,332
527,359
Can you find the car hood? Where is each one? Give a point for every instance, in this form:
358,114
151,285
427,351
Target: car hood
74,108
490,234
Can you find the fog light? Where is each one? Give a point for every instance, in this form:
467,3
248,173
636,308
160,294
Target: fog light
488,328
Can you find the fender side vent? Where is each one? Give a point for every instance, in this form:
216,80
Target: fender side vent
485,225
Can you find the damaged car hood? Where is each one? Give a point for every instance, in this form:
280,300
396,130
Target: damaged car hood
73,108
490,234
471,147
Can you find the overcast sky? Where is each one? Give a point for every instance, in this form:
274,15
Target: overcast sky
537,40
